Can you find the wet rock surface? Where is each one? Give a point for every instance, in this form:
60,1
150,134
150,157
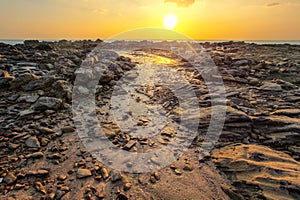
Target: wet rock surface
256,156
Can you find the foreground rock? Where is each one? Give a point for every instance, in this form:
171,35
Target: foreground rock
259,172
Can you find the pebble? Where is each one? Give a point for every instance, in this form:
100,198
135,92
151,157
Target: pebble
177,172
32,142
127,186
104,172
13,146
40,172
45,130
40,187
115,176
83,173
62,177
10,178
67,129
37,155
129,145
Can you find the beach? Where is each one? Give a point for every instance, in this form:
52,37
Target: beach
44,154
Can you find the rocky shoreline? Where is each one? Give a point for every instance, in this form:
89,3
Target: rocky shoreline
256,157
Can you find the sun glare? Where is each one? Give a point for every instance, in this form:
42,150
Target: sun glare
170,21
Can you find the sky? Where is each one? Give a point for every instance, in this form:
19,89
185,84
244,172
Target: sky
197,19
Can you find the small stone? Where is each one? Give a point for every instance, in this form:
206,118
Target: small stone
40,187
28,98
98,178
162,141
188,167
13,97
122,196
115,176
54,156
172,166
13,146
127,186
83,173
97,168
10,178
267,86
104,173
40,172
19,186
65,188
155,161
32,142
52,195
83,150
156,175
26,112
45,130
177,172
62,177
37,155
44,103
129,145
152,179
67,129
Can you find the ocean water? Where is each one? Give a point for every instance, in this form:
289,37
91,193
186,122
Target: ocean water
292,42
12,42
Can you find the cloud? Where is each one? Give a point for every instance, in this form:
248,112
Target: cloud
181,3
273,4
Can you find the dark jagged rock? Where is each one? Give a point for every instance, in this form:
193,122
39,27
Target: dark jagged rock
44,103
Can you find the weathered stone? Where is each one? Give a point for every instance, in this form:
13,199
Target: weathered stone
10,178
33,142
44,103
40,187
40,84
28,98
83,173
129,145
45,130
26,113
115,176
267,86
61,89
37,155
13,146
67,129
39,173
22,80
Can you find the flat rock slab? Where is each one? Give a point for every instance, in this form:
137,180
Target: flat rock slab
260,172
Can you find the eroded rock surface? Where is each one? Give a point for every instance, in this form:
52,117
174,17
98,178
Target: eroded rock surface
259,172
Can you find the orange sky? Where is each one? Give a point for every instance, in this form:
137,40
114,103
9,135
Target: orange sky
198,19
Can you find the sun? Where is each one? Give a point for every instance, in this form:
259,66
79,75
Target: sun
170,21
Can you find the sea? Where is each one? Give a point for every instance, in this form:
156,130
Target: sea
292,42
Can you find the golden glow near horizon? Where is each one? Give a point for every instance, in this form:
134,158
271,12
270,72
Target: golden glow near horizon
199,19
170,21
